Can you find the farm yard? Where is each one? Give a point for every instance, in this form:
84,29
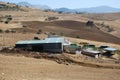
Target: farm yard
22,68
25,65
47,45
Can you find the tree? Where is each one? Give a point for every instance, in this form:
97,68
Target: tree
90,23
24,26
9,18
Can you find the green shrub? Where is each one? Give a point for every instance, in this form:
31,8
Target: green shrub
13,31
74,44
1,30
7,31
52,33
61,34
77,36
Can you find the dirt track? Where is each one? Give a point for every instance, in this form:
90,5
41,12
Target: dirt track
22,68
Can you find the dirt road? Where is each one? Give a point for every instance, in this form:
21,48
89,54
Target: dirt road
22,68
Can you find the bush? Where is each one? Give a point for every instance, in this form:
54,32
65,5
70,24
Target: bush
13,31
90,23
60,12
61,34
9,18
52,33
77,36
110,29
36,38
6,22
7,31
24,26
24,31
51,18
39,31
1,30
74,44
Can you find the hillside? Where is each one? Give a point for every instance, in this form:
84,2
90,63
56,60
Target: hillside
28,23
70,28
103,16
10,7
66,23
110,19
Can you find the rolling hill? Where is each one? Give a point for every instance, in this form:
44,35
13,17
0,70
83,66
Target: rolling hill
71,25
70,28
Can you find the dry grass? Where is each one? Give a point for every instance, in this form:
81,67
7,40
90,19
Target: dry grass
10,26
97,43
21,68
11,38
111,19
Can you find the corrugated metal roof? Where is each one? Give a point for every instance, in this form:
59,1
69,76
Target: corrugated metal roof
47,40
110,49
94,52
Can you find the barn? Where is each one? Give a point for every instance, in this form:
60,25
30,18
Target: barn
47,45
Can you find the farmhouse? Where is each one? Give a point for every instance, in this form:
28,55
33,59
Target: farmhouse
47,45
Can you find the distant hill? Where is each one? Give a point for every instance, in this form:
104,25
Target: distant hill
99,9
9,7
43,7
25,4
63,10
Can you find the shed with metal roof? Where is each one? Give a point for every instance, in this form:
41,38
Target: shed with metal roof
47,45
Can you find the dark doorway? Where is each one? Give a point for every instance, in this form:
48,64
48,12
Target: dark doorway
38,47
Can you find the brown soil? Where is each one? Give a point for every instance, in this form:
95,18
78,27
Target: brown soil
22,68
71,29
65,58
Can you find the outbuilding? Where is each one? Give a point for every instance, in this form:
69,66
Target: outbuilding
109,51
91,52
47,45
